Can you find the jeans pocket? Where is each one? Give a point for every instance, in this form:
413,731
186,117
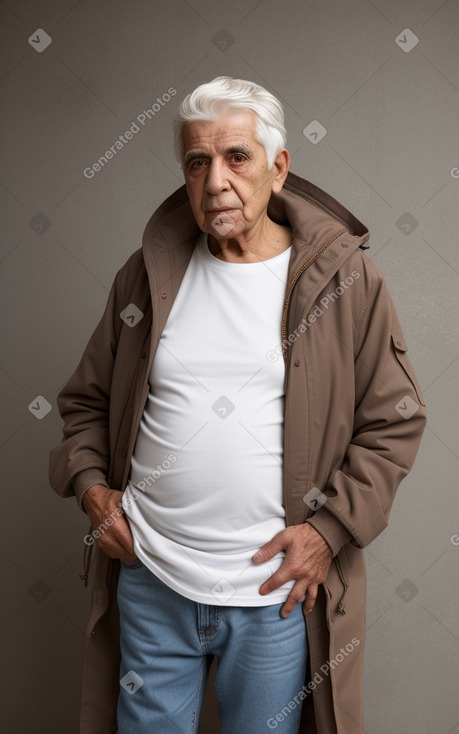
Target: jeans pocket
132,565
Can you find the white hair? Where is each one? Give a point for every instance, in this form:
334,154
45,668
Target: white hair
224,94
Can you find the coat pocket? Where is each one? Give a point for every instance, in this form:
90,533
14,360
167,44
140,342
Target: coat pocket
401,350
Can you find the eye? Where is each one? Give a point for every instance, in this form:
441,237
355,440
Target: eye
238,158
197,163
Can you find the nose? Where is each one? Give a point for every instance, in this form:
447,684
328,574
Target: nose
216,180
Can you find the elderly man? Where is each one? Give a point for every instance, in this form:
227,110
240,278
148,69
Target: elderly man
236,431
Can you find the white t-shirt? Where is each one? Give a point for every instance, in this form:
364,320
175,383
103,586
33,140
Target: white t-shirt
205,487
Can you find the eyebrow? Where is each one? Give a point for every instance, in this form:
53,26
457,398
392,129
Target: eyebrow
236,148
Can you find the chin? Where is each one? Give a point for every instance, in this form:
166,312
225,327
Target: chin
223,235
221,231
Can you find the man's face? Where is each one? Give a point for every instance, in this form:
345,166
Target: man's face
226,174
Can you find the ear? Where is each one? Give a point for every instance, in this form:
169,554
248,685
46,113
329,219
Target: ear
280,167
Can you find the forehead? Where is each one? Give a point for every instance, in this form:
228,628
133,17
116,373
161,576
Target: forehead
235,126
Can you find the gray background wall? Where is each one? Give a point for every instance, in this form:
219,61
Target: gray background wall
390,153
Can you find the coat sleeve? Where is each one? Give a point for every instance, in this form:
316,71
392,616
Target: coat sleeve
82,458
389,420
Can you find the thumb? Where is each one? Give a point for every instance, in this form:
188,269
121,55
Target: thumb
270,549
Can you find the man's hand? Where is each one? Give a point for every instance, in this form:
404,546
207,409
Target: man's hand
115,539
307,560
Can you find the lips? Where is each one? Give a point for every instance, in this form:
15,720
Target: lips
222,209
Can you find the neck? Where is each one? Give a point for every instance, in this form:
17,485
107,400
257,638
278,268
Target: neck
268,241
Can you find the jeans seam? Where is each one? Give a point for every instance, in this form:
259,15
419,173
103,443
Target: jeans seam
219,707
194,717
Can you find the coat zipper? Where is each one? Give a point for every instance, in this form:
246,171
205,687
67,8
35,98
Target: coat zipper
341,607
293,283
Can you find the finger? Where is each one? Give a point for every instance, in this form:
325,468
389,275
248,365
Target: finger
271,548
111,545
115,550
279,578
117,541
122,533
311,596
296,595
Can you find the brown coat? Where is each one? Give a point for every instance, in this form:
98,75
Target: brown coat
354,416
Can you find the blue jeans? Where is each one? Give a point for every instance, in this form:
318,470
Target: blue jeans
167,641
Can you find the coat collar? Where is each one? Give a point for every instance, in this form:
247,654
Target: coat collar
325,234
313,215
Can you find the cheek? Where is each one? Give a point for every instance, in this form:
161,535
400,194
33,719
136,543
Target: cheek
254,199
196,199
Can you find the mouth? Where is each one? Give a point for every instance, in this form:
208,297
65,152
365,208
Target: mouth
225,209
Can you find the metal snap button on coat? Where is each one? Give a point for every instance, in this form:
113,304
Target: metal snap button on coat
163,295
297,363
